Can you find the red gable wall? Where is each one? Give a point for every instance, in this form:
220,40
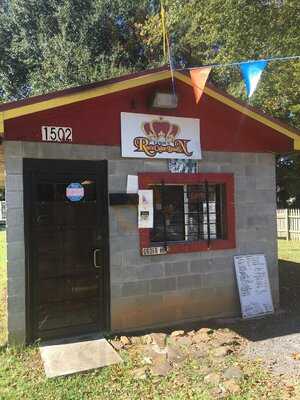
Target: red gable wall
97,121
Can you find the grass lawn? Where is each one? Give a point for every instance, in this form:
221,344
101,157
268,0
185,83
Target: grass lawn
289,274
289,250
2,288
22,376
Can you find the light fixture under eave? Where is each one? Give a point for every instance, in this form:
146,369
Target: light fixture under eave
164,100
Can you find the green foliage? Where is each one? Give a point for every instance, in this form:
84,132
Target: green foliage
47,45
226,31
218,32
288,181
52,44
22,375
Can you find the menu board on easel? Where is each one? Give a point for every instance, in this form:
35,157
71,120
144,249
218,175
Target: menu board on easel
253,284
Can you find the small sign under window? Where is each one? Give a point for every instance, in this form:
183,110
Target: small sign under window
154,251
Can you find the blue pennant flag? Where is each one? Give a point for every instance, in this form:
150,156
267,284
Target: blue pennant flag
251,74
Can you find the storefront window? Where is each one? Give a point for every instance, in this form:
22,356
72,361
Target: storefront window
189,212
192,212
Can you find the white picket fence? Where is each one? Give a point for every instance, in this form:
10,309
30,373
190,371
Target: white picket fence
288,224
2,212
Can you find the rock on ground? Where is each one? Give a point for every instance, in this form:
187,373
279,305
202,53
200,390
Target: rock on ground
140,373
161,369
213,378
177,333
159,339
231,386
233,373
221,351
175,355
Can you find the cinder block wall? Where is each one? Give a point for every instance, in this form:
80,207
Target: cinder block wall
156,290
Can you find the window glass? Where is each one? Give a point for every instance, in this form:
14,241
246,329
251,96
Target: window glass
189,212
45,192
168,214
89,189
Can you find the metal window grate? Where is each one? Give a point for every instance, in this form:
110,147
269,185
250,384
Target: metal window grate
189,213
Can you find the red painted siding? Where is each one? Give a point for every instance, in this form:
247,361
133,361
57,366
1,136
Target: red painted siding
97,121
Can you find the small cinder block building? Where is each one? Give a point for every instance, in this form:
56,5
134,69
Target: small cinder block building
81,258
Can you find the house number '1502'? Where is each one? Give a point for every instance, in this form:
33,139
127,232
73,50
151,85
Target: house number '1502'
56,134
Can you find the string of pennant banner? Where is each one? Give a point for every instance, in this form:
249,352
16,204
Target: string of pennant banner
251,70
287,58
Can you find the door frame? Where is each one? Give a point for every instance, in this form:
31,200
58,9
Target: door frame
30,168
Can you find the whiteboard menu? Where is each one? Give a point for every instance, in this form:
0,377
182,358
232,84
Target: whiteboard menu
253,284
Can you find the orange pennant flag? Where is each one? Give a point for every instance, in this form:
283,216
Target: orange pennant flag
199,77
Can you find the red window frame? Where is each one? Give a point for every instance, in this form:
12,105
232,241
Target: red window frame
148,178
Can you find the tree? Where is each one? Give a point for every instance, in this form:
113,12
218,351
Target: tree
51,44
220,32
47,45
288,181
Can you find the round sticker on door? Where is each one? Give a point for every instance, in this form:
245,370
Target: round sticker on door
75,191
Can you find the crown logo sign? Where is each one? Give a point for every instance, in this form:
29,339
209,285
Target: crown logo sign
161,132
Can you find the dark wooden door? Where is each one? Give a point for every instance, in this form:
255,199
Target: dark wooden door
67,247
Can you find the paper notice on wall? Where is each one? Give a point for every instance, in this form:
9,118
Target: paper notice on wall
183,166
145,209
132,184
253,284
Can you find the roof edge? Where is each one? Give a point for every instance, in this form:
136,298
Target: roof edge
246,110
74,96
80,88
1,123
110,86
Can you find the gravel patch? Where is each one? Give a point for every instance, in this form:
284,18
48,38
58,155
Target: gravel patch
276,342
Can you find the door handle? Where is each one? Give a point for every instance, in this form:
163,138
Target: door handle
95,259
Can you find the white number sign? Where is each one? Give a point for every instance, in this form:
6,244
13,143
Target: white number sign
56,134
154,251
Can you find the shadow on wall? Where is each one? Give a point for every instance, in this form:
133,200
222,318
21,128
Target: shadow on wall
289,278
285,322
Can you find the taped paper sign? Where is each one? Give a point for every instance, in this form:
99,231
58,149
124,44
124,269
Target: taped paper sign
183,166
254,286
145,209
132,184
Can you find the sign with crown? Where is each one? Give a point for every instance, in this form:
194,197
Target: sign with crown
156,136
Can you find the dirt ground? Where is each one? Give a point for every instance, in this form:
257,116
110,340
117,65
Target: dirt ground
254,359
274,340
228,350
